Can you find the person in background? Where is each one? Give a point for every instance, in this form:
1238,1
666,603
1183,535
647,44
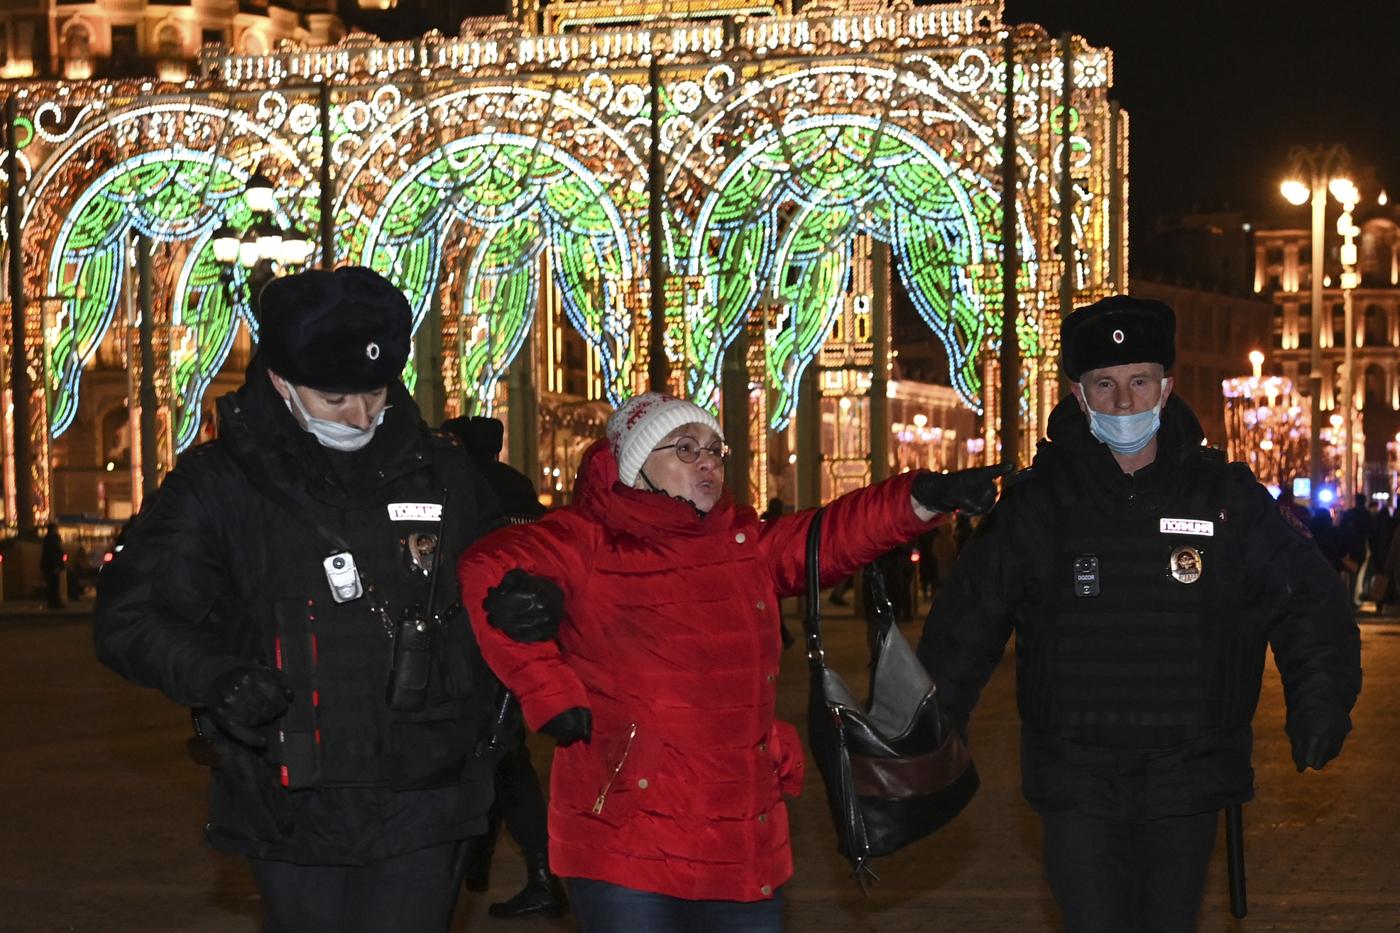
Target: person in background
928,562
639,628
1378,544
897,571
291,582
51,561
1328,540
519,803
1145,578
1354,534
1392,563
775,510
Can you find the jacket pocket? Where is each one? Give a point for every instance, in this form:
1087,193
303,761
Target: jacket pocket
458,672
432,749
612,776
789,762
246,800
435,745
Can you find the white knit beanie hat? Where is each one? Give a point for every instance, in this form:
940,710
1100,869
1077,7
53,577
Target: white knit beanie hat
641,423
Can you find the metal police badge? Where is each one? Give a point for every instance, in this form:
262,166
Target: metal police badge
1186,564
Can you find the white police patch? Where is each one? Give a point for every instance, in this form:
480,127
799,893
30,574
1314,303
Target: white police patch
1187,526
415,512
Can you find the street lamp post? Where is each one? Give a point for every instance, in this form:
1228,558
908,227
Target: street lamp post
264,245
1322,167
1348,230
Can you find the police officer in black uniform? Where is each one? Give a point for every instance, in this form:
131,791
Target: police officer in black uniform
292,582
1143,577
520,803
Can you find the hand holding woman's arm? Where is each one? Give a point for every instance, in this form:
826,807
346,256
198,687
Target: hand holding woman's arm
973,492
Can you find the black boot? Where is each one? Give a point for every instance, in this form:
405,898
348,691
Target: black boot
542,894
477,874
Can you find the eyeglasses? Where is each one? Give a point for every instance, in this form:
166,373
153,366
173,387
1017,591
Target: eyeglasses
688,450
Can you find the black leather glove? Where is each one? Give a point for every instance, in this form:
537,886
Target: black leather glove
1315,749
971,491
573,725
526,607
244,696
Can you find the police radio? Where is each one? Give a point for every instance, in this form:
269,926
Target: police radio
413,659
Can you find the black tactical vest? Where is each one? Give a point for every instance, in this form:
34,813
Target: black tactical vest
1142,638
340,730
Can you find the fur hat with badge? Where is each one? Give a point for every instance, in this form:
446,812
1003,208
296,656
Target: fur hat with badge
641,423
341,331
1117,330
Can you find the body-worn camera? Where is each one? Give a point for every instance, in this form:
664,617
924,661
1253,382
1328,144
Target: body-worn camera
1086,575
413,659
342,576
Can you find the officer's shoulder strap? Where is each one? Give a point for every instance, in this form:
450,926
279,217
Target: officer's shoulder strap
1019,477
1210,479
1058,480
449,457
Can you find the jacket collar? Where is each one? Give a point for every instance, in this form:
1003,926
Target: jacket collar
1072,449
650,516
259,429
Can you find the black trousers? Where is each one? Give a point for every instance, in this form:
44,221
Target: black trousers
1111,876
410,893
519,801
53,589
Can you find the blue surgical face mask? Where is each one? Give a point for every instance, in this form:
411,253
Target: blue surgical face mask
333,434
1125,434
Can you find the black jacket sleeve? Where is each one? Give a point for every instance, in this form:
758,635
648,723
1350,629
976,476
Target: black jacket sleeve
1312,628
974,612
156,618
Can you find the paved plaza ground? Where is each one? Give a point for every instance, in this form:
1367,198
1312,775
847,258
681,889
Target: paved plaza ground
100,812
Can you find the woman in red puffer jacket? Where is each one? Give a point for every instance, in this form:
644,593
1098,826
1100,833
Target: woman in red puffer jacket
666,797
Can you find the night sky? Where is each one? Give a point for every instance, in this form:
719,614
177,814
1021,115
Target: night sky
1219,91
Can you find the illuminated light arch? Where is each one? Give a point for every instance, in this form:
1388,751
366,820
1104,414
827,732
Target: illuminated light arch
523,195
173,194
880,177
935,73
514,196
87,266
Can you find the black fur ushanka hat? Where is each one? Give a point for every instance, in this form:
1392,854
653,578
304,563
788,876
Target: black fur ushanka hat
1117,330
341,331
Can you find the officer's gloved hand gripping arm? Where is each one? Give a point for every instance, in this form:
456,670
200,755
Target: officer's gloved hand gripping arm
529,608
972,492
154,622
1312,629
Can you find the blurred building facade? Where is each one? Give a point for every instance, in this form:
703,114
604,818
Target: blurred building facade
1282,273
79,39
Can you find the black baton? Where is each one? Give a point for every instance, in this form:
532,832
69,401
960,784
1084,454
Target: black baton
1234,853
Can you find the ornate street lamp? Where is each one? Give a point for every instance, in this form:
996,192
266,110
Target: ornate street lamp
264,248
226,245
1312,172
259,194
1264,425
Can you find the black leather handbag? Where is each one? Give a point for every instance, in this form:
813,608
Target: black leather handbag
896,769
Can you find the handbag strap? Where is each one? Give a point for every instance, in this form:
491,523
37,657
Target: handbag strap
812,622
